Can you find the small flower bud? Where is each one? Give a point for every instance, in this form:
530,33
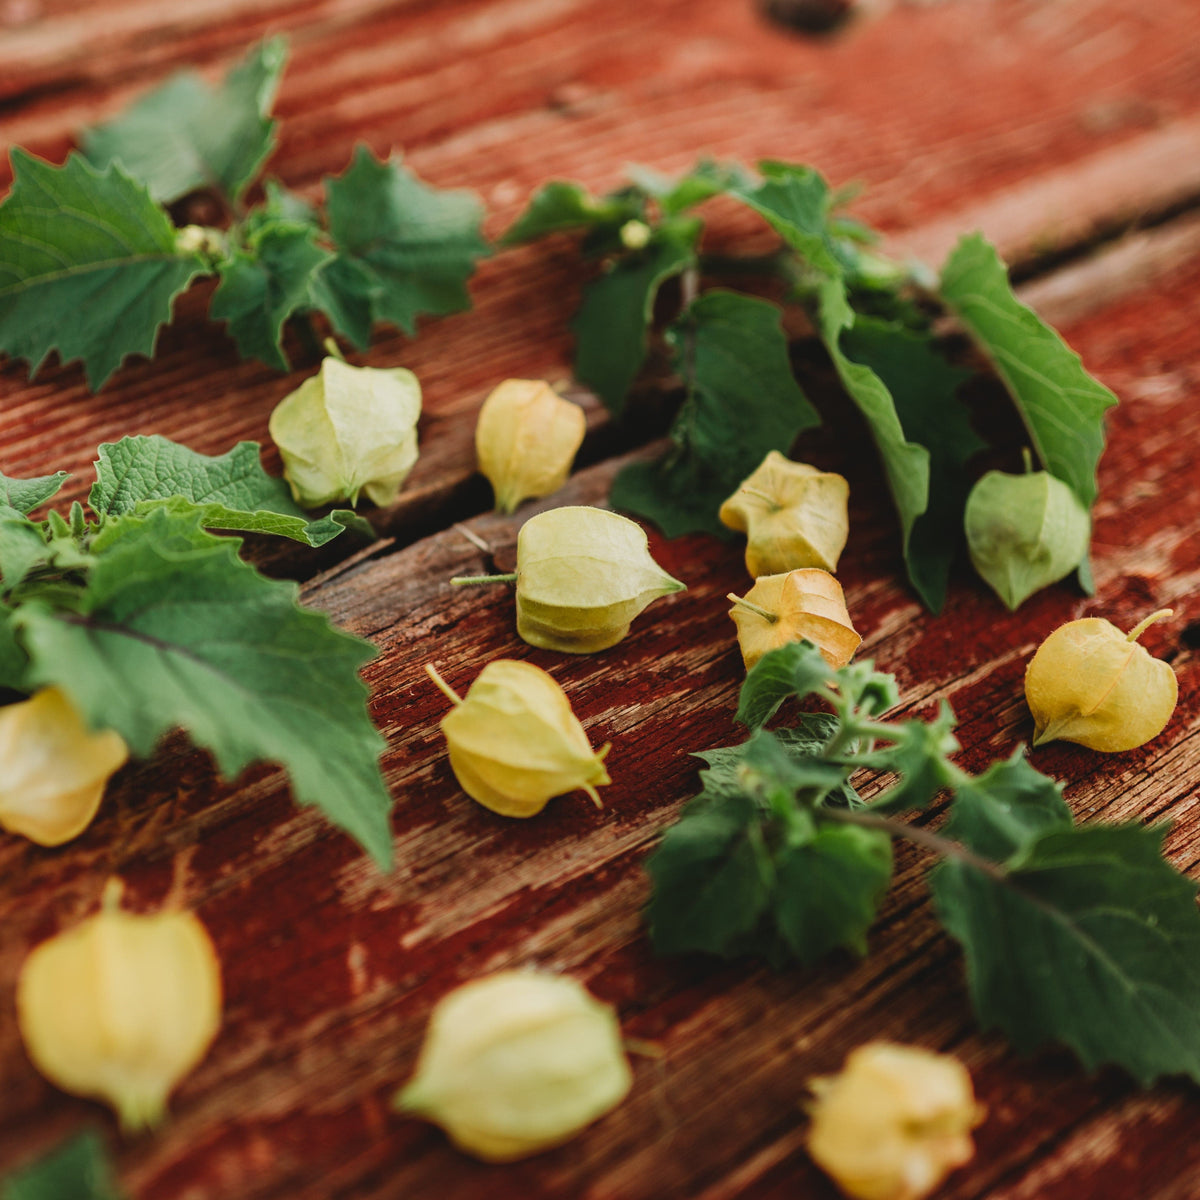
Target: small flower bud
792,514
526,440
582,576
894,1123
1092,684
53,769
121,1007
517,1062
514,742
635,235
789,608
348,430
1024,532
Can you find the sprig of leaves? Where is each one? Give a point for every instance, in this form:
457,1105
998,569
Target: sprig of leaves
874,317
91,263
149,623
1075,934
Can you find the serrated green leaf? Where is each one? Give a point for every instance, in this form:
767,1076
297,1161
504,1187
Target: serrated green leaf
614,318
919,756
231,490
1061,404
77,1170
88,266
797,669
25,495
742,402
186,135
807,737
343,290
1006,808
413,247
264,284
1089,938
796,202
711,879
828,891
924,388
562,207
905,463
676,195
280,204
174,630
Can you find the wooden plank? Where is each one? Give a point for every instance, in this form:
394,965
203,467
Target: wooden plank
331,967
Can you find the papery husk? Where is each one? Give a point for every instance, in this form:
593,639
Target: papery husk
514,742
121,1007
517,1062
792,514
348,430
583,575
1091,684
53,769
526,439
894,1122
1024,532
807,603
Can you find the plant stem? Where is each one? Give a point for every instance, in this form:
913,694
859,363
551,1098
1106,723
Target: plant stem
1141,627
460,580
918,835
754,608
442,685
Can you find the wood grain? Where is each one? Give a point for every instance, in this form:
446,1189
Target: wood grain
1046,123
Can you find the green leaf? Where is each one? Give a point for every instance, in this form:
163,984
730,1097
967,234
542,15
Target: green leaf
403,247
88,266
22,547
174,630
924,387
13,659
705,180
828,890
919,756
186,135
231,490
796,202
280,204
77,1170
742,402
561,207
711,879
797,669
344,291
1088,938
905,463
25,495
614,318
263,285
1007,808
1061,404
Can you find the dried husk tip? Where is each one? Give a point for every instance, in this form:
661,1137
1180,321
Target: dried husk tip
807,603
526,439
1094,685
517,1062
894,1122
53,769
348,430
121,1007
793,516
514,742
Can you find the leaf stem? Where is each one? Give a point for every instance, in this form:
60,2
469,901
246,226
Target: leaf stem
920,836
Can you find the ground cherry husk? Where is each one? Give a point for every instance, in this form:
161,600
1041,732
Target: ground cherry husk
894,1122
1091,684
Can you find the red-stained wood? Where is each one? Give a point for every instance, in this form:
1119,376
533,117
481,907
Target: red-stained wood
330,967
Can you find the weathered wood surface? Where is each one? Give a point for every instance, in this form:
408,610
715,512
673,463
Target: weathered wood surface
330,967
